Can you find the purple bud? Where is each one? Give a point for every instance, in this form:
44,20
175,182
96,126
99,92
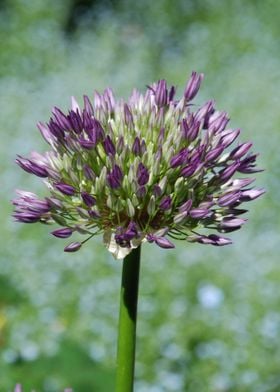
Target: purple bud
190,128
229,199
193,86
189,170
128,118
141,192
172,92
157,191
142,174
179,159
251,194
164,243
161,93
204,112
75,121
229,137
218,121
160,241
62,233
98,130
66,189
88,199
165,203
56,129
38,206
109,146
239,151
88,105
87,144
143,147
31,167
228,172
27,217
232,223
198,213
61,119
211,239
186,206
73,247
114,178
45,132
89,173
136,147
213,154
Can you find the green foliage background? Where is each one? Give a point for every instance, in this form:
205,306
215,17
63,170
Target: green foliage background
209,319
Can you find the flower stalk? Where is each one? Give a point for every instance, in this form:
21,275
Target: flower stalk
127,321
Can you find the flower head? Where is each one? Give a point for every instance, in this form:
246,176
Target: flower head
140,170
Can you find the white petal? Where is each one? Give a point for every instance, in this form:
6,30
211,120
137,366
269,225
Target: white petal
75,105
117,251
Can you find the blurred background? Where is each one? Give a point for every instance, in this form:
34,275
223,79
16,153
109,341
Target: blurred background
209,318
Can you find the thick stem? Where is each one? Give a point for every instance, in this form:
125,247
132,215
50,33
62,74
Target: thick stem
127,322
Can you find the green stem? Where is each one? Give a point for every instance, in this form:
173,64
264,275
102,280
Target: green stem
127,322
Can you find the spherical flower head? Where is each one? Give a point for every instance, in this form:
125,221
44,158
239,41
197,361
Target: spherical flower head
141,171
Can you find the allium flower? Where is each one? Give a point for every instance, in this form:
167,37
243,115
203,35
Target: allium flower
141,170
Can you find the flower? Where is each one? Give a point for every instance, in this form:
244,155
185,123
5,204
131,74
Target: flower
141,170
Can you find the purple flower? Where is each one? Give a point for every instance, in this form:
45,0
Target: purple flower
109,146
193,86
88,199
199,213
161,93
30,209
65,232
114,178
153,167
229,198
190,128
136,147
32,167
73,247
179,159
165,203
142,174
162,242
66,189
251,194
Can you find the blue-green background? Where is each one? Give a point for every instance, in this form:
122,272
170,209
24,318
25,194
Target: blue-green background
209,318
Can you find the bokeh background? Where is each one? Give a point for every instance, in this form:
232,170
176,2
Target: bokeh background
209,318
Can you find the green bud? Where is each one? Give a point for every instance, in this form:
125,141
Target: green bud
59,219
129,208
180,217
102,176
162,183
110,203
135,200
152,206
